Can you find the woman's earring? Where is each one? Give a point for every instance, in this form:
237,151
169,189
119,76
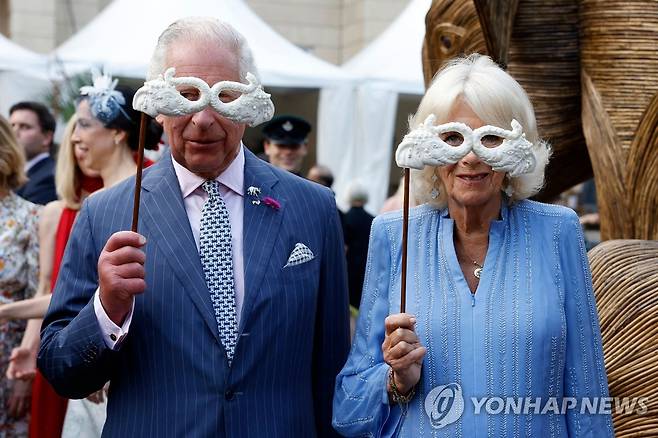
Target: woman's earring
435,192
507,188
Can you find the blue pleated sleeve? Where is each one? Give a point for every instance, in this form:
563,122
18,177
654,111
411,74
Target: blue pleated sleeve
361,404
584,373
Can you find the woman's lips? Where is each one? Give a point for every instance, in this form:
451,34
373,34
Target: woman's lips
473,178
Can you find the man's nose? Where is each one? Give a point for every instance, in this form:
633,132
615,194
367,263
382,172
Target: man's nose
204,119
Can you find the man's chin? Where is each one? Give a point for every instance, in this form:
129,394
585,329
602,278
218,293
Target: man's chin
205,171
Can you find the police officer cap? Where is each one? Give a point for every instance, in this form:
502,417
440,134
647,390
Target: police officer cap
287,130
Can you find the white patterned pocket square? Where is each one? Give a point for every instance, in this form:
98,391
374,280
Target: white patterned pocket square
300,254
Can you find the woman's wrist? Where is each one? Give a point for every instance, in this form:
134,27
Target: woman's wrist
398,392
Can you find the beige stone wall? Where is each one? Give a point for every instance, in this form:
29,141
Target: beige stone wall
333,30
42,25
4,18
69,18
31,23
313,25
364,20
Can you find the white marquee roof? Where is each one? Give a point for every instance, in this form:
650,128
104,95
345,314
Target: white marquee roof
16,58
122,38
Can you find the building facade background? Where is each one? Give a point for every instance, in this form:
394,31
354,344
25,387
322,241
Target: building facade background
334,30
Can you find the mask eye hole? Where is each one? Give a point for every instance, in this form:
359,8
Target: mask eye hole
491,141
452,138
228,96
191,94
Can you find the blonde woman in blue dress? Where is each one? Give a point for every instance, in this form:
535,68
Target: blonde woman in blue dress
501,335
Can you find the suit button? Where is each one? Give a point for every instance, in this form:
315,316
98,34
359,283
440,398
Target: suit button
229,395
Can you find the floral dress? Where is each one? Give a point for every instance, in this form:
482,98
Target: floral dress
19,254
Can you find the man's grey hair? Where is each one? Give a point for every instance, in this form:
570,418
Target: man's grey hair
202,29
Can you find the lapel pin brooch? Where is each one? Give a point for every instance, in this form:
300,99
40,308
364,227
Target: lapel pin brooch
254,192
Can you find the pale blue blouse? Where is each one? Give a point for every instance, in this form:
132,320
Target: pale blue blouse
531,330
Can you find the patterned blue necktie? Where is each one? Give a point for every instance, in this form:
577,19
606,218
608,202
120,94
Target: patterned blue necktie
217,260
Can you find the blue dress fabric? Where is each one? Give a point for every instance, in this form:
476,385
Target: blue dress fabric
531,329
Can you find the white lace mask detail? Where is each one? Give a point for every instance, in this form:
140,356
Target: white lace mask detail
160,96
424,146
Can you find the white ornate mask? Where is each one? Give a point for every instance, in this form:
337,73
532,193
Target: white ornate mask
503,150
160,96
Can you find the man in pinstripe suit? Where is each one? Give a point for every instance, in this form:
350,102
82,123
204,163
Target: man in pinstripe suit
138,309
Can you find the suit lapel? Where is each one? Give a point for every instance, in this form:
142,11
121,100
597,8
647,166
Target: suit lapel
165,219
260,230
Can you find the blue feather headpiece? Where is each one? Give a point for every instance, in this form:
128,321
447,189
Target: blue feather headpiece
104,101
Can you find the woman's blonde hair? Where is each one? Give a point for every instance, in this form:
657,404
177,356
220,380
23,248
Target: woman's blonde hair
12,159
68,176
496,98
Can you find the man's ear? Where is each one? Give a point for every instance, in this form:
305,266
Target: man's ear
266,146
160,119
48,139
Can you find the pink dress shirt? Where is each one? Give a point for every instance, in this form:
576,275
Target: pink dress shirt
232,191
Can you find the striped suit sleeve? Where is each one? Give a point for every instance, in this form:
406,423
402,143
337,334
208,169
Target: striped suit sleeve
73,356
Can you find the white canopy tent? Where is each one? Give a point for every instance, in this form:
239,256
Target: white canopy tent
23,75
359,118
122,38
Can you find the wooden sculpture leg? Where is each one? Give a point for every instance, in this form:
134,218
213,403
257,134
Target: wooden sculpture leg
626,288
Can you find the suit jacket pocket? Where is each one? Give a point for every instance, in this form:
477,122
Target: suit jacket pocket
301,272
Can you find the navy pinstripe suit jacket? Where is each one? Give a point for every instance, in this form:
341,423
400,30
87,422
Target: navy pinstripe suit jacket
171,377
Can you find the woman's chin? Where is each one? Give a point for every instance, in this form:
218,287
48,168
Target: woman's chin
476,199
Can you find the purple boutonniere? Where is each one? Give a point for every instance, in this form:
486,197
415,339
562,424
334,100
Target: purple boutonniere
271,202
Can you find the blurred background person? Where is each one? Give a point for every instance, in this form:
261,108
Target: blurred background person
34,127
356,231
74,183
100,152
286,142
321,175
396,201
19,250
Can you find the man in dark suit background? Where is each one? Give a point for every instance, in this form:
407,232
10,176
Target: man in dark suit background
232,321
34,127
356,228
